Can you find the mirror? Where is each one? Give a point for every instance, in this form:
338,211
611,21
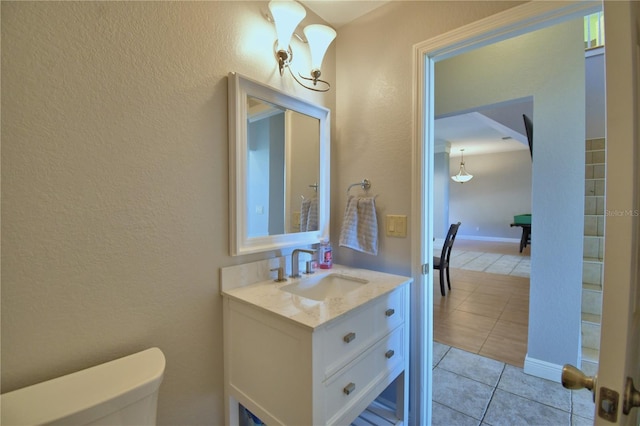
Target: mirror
278,169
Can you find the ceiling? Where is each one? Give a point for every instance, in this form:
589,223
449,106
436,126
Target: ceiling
339,12
485,130
482,131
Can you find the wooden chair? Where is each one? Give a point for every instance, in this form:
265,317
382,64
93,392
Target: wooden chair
442,263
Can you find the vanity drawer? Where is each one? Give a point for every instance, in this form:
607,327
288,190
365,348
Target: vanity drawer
346,338
346,388
390,313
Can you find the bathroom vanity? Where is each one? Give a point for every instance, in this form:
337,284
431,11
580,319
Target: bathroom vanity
317,350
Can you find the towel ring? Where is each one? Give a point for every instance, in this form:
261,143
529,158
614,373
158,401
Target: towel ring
365,184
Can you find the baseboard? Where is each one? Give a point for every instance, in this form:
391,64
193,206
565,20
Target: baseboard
543,369
493,239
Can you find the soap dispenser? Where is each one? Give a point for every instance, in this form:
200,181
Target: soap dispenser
325,257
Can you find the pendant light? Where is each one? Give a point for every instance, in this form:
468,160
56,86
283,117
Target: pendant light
462,175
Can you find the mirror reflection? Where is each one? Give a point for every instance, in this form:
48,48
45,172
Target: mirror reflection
283,170
279,151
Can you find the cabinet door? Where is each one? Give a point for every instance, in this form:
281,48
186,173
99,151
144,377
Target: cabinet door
268,363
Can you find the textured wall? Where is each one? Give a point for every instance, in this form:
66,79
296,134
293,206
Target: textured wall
115,187
373,112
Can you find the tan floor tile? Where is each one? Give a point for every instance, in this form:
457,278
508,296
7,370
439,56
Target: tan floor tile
443,310
457,294
485,313
513,331
490,311
448,302
520,289
491,289
517,317
504,349
522,298
441,314
459,337
497,300
471,321
517,306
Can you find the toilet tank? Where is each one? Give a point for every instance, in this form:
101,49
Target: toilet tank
119,392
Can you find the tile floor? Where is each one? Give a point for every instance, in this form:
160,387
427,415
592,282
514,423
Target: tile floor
469,389
486,314
480,333
494,263
492,257
488,310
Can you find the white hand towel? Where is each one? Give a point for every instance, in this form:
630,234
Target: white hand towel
309,215
360,225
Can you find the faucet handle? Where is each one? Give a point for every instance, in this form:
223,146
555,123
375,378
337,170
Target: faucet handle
309,269
281,277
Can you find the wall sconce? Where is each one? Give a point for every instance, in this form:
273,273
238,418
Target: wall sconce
462,175
286,17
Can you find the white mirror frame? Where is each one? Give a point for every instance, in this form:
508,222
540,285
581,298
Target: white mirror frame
240,87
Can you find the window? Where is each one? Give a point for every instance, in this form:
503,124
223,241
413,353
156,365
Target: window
594,30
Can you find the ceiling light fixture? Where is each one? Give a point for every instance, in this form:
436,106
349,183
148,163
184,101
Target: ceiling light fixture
286,16
462,175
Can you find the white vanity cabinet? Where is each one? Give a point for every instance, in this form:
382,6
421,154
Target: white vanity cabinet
290,373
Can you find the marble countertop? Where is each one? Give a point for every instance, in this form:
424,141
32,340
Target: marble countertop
268,296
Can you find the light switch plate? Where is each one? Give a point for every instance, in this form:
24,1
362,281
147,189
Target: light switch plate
396,225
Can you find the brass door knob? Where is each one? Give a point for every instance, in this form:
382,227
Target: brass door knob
631,397
573,378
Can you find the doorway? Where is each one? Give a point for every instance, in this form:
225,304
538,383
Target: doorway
486,312
514,22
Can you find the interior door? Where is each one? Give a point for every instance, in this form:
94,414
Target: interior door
620,337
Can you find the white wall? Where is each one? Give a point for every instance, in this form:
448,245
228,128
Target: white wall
373,112
500,189
548,64
115,186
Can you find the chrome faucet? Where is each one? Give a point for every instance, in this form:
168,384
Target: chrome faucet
295,269
280,274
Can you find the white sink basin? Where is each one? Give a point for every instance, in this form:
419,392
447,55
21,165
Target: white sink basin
325,286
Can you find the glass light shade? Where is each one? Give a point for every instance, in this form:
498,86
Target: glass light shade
462,175
319,38
286,15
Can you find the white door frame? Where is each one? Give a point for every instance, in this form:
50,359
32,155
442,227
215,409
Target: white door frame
509,23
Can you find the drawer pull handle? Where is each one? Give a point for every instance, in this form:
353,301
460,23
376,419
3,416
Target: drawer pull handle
349,388
389,353
349,337
389,312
